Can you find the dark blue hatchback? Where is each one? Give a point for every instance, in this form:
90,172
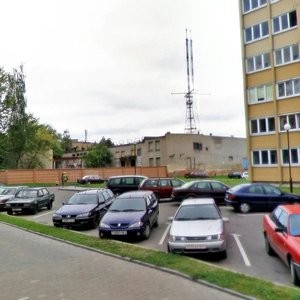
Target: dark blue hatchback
257,197
133,214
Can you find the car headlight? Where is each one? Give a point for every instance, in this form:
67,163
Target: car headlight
104,225
215,237
136,225
84,215
57,216
174,238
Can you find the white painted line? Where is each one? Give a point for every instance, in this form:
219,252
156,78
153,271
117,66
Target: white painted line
45,214
251,215
164,235
243,252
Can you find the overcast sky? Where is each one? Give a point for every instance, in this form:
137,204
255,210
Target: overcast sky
109,67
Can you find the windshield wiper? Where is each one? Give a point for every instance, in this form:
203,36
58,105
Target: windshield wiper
132,209
114,210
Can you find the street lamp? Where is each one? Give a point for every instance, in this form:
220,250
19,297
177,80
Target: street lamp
287,127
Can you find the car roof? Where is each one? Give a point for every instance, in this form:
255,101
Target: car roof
120,176
135,194
291,208
92,191
198,201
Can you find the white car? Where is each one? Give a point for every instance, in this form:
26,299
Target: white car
198,227
245,175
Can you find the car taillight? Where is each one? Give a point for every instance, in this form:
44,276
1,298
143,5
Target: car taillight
231,196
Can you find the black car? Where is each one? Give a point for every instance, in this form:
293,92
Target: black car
257,197
201,189
90,179
30,200
196,174
84,208
124,183
235,175
133,214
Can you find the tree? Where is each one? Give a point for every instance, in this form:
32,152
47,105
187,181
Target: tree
107,142
100,156
66,142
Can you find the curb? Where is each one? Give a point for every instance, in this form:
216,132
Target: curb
166,270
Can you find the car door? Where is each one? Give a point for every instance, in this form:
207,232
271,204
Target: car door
203,189
274,196
257,198
42,199
152,208
165,188
218,191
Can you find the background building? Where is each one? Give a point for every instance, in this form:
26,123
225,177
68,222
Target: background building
181,152
271,66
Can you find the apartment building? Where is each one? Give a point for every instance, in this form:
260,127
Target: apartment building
181,152
271,65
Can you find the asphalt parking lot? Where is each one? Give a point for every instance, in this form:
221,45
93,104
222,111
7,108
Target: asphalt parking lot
245,243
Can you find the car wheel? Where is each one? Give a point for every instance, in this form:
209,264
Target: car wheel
9,212
223,254
295,278
49,206
244,207
268,247
95,222
35,209
155,224
146,232
169,249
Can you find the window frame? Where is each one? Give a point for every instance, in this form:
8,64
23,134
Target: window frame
287,84
260,153
287,14
252,28
259,6
258,126
282,55
254,90
254,62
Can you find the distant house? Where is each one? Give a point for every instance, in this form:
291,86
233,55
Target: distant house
181,152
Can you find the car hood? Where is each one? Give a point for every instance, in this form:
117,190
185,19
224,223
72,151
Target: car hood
75,209
6,197
22,200
123,217
196,228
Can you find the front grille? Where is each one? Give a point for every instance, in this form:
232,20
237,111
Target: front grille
196,238
69,216
17,204
119,225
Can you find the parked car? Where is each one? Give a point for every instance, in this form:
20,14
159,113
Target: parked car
245,175
257,197
162,187
90,179
84,209
235,175
197,227
281,232
201,189
132,214
2,188
30,200
8,193
125,183
196,174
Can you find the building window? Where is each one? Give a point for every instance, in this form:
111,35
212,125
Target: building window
260,94
264,157
258,62
262,126
249,5
289,88
139,152
292,119
197,146
230,158
285,22
286,55
157,161
256,32
122,153
150,146
294,156
157,145
151,162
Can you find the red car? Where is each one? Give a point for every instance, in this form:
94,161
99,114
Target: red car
282,236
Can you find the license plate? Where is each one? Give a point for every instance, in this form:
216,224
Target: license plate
118,232
17,209
195,246
68,220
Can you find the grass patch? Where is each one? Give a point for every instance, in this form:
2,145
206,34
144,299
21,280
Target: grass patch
258,288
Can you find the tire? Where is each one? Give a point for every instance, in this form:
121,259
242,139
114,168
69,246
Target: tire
268,247
35,209
147,232
244,208
169,249
9,212
49,205
294,275
95,222
155,224
223,254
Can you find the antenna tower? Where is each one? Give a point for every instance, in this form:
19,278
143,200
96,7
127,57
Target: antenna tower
85,135
190,125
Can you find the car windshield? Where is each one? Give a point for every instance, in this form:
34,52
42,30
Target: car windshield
129,204
187,184
197,212
9,191
27,194
295,225
83,199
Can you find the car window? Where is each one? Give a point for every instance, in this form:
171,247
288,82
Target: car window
295,225
106,195
46,192
27,194
110,193
197,212
148,202
150,183
128,180
139,179
40,193
115,181
256,189
270,190
164,182
11,191
218,186
128,204
283,219
202,186
176,182
83,199
275,215
101,197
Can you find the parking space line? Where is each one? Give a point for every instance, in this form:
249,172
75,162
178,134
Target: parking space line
45,214
164,235
251,215
243,252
